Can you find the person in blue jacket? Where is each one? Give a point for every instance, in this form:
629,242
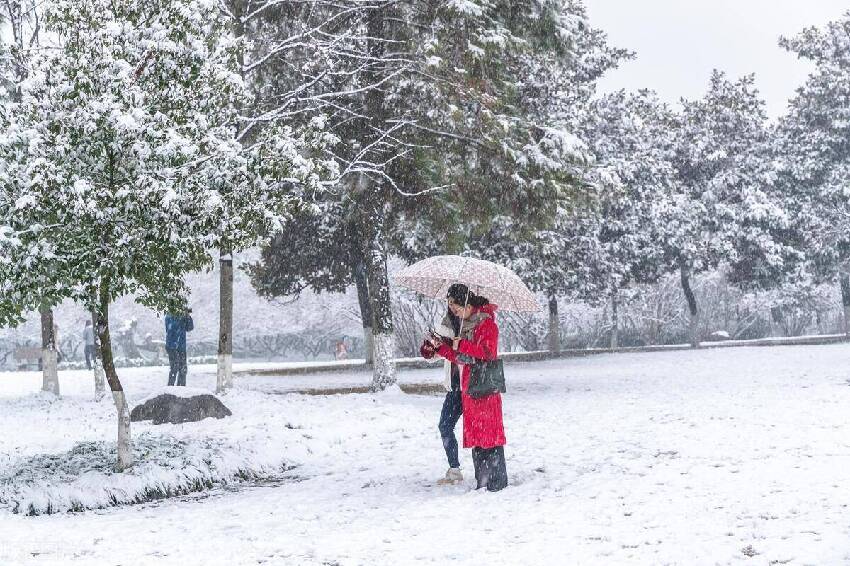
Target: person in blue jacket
176,327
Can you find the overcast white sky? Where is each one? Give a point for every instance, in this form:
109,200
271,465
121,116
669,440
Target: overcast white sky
678,42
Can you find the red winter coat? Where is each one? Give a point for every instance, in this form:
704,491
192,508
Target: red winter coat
482,418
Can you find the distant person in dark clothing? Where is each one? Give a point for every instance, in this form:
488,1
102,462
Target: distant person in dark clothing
88,342
176,327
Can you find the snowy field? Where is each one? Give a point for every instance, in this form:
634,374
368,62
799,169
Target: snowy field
732,456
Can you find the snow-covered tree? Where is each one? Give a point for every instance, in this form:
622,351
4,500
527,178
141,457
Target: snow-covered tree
301,59
23,20
520,201
447,127
120,168
630,136
721,207
525,204
603,242
291,55
815,155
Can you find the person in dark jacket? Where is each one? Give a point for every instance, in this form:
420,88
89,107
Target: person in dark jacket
176,327
483,428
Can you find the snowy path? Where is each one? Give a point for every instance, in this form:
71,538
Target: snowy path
738,456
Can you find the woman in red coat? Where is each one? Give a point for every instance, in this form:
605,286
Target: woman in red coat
483,430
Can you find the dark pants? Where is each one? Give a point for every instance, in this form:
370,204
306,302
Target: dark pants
490,470
177,366
452,410
89,352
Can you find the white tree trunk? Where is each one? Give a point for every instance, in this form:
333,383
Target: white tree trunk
383,333
97,365
49,354
125,454
99,379
224,373
49,371
384,373
125,451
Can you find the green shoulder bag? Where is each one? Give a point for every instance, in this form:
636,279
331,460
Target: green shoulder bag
485,378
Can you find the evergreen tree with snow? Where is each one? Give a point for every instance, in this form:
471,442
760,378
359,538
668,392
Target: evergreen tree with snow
461,127
120,167
282,48
631,137
23,20
721,208
814,156
554,243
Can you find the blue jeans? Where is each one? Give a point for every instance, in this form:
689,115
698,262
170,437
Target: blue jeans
452,410
89,352
176,366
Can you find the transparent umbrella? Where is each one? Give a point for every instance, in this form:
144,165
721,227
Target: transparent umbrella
432,278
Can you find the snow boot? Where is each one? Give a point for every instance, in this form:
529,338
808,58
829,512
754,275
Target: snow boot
452,477
490,469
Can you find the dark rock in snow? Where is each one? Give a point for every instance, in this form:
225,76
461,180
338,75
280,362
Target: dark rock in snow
167,408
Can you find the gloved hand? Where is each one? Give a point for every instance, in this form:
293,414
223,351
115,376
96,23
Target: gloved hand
439,340
427,350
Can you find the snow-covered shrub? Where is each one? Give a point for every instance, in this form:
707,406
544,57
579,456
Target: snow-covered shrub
84,477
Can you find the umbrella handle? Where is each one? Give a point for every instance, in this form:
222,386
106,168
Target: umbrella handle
465,302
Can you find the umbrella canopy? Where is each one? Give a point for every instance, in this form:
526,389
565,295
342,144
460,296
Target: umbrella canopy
432,277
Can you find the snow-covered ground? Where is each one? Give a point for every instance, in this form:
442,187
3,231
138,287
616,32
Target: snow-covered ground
731,456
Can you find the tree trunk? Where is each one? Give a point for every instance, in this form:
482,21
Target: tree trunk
845,301
372,203
361,280
776,320
383,373
692,305
615,320
554,325
383,367
125,452
224,370
49,355
726,303
656,324
224,376
99,376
